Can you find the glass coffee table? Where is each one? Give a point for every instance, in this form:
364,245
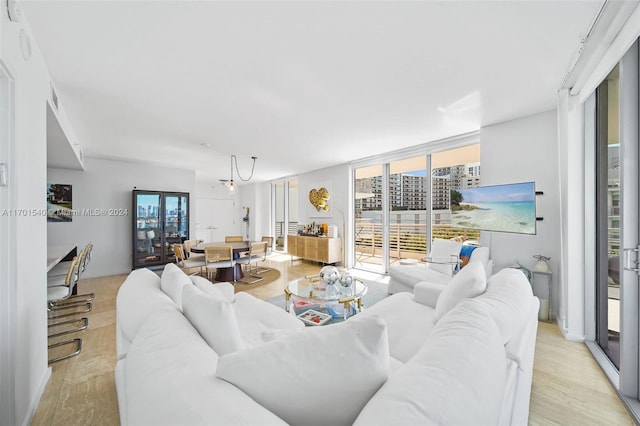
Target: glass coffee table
340,302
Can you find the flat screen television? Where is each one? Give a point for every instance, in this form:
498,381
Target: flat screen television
500,208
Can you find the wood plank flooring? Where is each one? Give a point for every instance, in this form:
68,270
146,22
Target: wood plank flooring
568,386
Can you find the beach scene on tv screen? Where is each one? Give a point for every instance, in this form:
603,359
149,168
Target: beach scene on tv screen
502,208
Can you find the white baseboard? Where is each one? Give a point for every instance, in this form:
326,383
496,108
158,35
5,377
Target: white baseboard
33,405
572,337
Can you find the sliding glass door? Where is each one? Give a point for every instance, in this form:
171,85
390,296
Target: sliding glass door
608,190
617,249
452,169
368,227
408,190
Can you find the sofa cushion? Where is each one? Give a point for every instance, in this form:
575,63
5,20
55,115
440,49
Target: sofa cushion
469,282
427,293
214,319
409,324
225,290
170,380
138,297
324,375
443,250
172,281
509,299
256,316
457,378
411,274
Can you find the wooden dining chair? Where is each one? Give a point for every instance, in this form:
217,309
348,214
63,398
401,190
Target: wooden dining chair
257,253
233,239
189,263
219,257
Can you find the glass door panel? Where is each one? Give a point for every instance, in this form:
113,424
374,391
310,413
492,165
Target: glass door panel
608,206
176,222
148,228
408,209
451,170
292,227
279,220
368,217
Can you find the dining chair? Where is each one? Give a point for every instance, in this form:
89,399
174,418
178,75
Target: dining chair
187,250
233,239
54,280
60,297
61,268
269,240
189,263
257,253
219,257
60,293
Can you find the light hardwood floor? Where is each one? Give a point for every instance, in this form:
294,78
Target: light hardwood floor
568,386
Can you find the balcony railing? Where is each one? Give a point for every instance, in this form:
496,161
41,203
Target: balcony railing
405,240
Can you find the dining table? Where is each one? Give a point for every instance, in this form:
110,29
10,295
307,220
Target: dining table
226,274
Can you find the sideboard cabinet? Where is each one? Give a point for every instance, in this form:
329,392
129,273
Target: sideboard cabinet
318,249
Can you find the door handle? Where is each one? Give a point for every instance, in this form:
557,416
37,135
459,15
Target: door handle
626,264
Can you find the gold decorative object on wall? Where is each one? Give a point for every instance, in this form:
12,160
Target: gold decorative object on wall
319,199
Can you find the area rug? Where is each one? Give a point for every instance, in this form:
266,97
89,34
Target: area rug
375,293
270,276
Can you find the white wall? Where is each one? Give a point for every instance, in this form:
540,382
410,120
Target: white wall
28,170
525,150
339,180
258,198
107,184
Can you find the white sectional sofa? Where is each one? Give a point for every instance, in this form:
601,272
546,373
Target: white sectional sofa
462,355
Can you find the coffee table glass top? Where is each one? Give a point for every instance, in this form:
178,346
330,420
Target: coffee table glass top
340,302
308,290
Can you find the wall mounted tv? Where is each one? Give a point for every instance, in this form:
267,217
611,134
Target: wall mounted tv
501,208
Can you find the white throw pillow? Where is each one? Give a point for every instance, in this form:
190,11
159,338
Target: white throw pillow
481,254
214,319
443,250
471,281
224,290
324,375
172,281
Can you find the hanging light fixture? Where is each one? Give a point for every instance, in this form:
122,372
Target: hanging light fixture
230,184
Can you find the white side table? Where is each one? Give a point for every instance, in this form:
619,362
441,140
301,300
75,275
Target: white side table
534,277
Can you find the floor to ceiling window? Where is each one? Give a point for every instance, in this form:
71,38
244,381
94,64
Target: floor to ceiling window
453,169
368,217
285,211
279,224
400,205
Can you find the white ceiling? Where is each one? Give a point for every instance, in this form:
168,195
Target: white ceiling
301,85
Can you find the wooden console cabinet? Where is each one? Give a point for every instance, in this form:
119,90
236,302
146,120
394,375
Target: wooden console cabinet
319,249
